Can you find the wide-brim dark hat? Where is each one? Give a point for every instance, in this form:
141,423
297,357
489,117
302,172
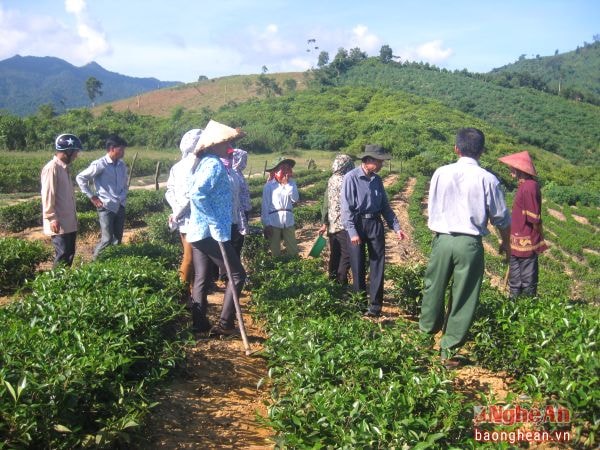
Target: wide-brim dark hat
375,151
279,161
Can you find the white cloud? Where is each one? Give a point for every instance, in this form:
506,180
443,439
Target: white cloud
40,35
267,42
431,52
367,42
75,6
93,40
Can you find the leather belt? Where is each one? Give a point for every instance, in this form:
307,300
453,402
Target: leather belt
369,216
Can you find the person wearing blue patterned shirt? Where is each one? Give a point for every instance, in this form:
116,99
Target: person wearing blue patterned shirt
108,175
211,205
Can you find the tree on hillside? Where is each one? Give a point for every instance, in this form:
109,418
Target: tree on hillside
290,84
386,54
94,88
341,61
356,55
323,59
267,85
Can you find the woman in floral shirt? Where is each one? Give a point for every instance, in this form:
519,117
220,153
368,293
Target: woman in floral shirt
210,223
331,218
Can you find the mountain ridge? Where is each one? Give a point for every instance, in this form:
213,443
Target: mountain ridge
28,82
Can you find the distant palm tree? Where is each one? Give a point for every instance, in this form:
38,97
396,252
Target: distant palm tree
94,88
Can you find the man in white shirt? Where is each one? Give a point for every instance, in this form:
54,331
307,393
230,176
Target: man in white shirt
462,198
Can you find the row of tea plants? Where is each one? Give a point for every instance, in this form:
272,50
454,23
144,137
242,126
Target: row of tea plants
549,343
339,381
83,349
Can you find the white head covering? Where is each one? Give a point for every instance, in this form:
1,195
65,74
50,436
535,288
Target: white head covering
189,141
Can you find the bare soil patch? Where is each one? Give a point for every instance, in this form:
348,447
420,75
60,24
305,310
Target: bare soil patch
215,403
556,214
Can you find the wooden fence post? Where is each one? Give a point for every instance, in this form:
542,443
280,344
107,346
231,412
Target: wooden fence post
156,174
131,170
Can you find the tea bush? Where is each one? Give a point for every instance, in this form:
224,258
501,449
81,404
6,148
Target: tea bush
168,255
15,218
407,287
19,260
339,381
141,203
550,344
81,352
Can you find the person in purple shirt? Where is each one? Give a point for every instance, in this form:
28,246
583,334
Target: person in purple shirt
364,203
463,197
211,205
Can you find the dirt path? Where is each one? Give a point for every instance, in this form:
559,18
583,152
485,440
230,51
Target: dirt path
215,402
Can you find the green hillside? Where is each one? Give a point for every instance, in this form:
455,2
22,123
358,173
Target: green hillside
567,128
574,75
414,128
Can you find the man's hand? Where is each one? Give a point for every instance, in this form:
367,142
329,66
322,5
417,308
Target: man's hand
97,202
55,226
355,240
401,235
322,230
505,248
268,232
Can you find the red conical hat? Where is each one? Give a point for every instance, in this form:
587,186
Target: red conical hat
520,161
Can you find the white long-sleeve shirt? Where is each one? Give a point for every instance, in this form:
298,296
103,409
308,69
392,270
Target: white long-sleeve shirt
277,204
177,194
463,197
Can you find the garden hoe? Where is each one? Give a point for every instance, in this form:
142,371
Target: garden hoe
236,301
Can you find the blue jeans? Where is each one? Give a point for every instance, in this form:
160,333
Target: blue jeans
111,227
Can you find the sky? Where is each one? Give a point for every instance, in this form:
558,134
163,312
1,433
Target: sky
176,40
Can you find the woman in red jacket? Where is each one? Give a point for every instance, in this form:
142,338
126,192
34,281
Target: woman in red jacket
526,236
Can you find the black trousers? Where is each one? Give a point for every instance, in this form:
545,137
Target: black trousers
372,237
339,256
64,248
204,253
523,276
237,240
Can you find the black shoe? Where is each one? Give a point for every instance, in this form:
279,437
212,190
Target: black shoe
200,323
201,327
373,314
218,330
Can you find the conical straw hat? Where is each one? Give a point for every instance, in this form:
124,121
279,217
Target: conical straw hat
217,133
520,161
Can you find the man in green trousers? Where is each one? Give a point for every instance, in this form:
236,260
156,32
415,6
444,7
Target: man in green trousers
463,197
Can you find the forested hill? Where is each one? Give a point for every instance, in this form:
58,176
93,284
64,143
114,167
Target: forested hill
574,75
565,127
27,82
